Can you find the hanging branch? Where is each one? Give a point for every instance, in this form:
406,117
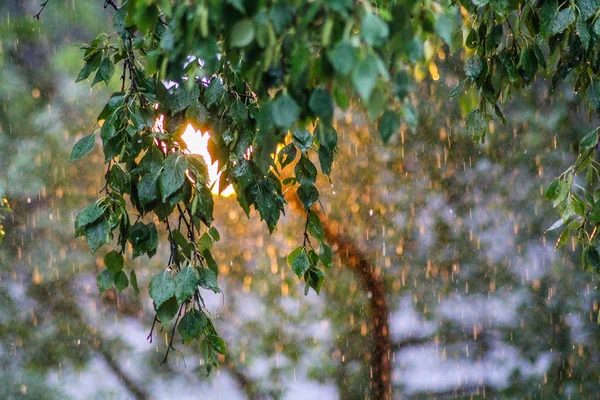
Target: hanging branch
42,6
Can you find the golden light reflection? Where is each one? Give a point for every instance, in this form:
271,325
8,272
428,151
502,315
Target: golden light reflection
197,143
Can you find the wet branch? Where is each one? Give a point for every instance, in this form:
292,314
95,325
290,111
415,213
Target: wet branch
42,6
371,282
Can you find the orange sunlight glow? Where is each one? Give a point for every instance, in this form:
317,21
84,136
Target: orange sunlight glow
197,143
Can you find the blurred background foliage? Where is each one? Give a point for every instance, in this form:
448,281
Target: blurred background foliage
479,304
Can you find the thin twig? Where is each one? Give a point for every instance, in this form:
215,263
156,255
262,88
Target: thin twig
164,361
43,5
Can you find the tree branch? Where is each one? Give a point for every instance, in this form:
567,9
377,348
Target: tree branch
362,267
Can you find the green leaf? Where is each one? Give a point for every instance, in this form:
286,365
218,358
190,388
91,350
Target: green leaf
83,147
321,104
305,171
239,112
148,188
556,225
325,159
210,261
105,71
205,204
364,77
583,32
373,30
162,288
198,116
173,175
561,22
314,226
389,123
562,239
214,92
589,141
302,139
528,61
552,190
326,255
473,66
301,264
121,281
593,258
444,26
242,33
114,261
308,195
293,255
208,279
402,85
105,280
90,66
182,97
186,284
97,234
343,57
192,325
119,179
477,125
217,344
287,155
143,238
285,112
314,279
214,233
134,282
86,217
167,311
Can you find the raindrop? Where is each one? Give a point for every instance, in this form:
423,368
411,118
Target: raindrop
371,212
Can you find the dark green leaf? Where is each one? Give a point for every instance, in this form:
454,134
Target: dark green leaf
186,284
242,33
301,264
105,71
288,154
182,97
83,147
148,188
325,159
192,325
308,195
285,112
314,279
97,234
305,171
373,30
326,255
389,124
444,26
173,175
593,258
217,344
90,66
343,57
121,281
208,279
114,261
321,104
364,77
473,66
105,280
214,233
239,112
134,282
589,141
302,139
314,226
167,311
214,92
162,288
87,216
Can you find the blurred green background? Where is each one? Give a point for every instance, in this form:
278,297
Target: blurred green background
480,305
